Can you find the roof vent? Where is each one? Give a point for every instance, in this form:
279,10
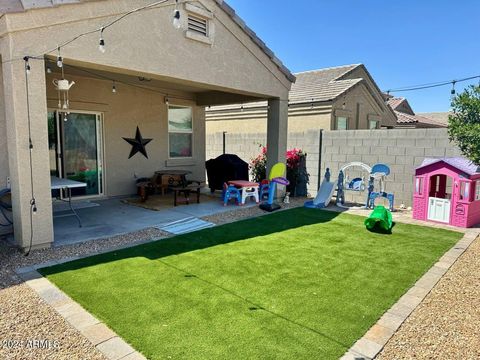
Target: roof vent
198,25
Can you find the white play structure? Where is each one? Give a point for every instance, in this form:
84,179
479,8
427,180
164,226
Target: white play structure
376,174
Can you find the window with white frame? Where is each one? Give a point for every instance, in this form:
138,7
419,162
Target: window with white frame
477,190
419,185
373,124
180,131
341,123
464,191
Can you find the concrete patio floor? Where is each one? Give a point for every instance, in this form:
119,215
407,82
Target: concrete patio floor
114,217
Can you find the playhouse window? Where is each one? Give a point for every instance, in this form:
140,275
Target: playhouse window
464,191
419,185
477,190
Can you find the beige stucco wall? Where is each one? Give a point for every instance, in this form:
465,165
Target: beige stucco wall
376,101
368,108
122,113
145,44
3,137
148,43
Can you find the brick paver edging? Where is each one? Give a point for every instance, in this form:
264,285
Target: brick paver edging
375,339
112,346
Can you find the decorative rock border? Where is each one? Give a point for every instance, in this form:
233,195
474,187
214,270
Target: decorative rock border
105,340
378,335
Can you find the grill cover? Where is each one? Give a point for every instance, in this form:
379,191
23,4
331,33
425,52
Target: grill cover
225,168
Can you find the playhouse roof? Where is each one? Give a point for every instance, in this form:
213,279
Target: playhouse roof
459,163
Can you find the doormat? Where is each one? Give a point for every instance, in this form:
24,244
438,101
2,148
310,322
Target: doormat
61,206
185,226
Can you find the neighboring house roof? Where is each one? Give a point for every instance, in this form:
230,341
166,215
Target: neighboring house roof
439,117
9,6
400,105
312,86
459,163
322,85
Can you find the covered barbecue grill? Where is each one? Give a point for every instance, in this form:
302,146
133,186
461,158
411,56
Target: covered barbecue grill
225,168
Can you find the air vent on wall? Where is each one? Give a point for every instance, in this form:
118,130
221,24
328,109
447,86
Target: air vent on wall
198,25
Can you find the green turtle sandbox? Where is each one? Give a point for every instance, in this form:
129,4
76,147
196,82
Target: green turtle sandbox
380,218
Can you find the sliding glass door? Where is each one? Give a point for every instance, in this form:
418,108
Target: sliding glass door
75,143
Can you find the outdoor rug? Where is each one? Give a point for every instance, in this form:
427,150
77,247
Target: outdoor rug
185,225
162,202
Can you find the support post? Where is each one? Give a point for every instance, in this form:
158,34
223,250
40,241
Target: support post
277,128
22,174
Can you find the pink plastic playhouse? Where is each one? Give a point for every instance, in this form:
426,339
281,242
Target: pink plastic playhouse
448,191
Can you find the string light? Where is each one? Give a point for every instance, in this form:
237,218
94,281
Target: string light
114,88
59,59
177,24
167,101
28,69
49,69
452,92
101,44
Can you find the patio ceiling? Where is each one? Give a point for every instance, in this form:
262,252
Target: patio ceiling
204,94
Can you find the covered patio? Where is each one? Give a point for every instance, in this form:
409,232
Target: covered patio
136,107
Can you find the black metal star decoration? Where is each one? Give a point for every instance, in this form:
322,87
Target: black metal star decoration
138,144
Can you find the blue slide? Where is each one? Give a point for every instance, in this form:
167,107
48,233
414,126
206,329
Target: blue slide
324,196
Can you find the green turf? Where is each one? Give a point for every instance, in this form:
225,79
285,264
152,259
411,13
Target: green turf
297,284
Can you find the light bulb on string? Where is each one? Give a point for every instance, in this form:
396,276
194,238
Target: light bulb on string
101,44
114,88
49,69
452,92
167,102
59,59
177,24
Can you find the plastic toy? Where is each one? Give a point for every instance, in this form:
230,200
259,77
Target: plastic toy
379,220
344,183
447,191
379,172
275,177
231,192
324,195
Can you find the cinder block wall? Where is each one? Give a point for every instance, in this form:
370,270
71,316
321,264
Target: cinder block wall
401,149
246,146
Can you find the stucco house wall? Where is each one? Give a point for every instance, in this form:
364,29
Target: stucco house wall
207,72
122,112
3,137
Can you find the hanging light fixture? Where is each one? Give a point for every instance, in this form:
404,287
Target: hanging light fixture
452,92
167,102
59,59
177,24
101,44
28,69
49,69
114,88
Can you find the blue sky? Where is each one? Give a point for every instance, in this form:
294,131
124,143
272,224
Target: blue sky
402,43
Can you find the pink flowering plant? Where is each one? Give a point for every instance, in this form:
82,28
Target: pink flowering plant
258,164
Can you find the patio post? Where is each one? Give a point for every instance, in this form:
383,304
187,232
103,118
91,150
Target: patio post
277,128
22,175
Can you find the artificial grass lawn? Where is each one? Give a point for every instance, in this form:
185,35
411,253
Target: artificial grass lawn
301,283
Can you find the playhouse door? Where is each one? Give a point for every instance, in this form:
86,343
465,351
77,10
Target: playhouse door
439,210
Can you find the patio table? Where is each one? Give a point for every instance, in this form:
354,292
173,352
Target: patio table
67,185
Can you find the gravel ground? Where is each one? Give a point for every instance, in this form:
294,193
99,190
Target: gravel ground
446,325
25,317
